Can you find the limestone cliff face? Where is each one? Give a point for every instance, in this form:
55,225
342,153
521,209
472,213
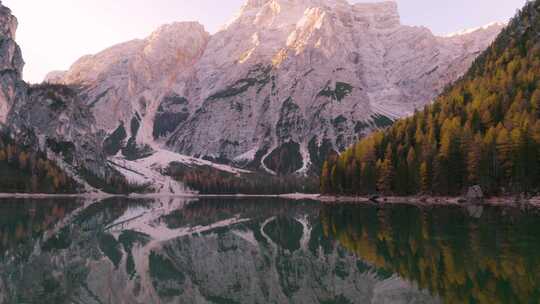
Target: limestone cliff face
284,77
11,63
48,118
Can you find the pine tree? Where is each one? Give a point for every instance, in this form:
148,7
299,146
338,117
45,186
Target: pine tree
484,129
425,178
326,186
386,177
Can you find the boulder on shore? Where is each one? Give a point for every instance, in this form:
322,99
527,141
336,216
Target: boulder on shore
475,194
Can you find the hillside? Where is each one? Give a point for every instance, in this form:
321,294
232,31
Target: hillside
484,129
276,89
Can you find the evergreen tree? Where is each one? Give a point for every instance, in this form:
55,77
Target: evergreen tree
484,129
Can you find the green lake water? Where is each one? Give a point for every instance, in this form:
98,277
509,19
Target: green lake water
177,250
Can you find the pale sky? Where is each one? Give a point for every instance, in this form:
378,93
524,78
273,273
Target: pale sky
55,33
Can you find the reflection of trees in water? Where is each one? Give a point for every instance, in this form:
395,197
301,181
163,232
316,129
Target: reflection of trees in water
463,259
211,210
24,220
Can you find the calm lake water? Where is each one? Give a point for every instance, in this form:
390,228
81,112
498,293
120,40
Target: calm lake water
264,251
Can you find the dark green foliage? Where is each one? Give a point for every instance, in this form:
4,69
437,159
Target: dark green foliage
115,141
220,300
286,232
25,170
165,123
319,153
59,241
134,126
111,248
53,94
208,180
258,76
483,130
166,278
113,182
64,148
361,126
382,121
171,113
128,239
341,299
341,91
445,251
290,120
286,159
132,151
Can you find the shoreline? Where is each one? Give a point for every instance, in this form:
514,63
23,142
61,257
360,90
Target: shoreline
325,199
430,200
291,196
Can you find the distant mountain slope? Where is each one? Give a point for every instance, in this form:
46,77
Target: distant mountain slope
484,129
280,86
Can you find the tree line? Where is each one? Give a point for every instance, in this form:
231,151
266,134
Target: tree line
25,170
483,130
208,180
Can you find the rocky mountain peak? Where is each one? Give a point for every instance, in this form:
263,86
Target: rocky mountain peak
10,57
11,62
284,80
181,40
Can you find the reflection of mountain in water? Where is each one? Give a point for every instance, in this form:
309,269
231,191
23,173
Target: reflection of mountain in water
179,251
472,255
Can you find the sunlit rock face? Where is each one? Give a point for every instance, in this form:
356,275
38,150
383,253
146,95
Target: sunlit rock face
302,72
130,80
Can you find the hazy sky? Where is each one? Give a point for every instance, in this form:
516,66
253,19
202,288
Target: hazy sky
54,33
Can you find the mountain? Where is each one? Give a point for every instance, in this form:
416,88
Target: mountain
278,88
483,130
24,167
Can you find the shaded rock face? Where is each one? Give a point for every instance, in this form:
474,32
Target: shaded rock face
56,119
281,71
133,78
50,118
172,111
11,64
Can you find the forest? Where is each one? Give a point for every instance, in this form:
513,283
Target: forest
208,180
24,170
483,130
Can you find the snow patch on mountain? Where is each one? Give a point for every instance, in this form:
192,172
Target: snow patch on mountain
151,171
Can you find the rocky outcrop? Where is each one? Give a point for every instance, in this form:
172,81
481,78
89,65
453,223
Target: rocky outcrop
11,63
304,71
48,118
53,118
474,194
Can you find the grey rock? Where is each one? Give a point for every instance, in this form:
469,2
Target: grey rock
282,71
475,193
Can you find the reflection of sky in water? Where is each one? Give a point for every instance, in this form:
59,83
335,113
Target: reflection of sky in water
266,250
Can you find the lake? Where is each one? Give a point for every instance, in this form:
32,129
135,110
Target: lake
179,250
